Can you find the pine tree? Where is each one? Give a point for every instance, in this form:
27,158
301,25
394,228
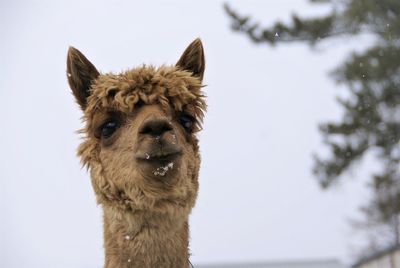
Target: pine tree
371,121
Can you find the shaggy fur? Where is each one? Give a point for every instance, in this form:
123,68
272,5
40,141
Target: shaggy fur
145,174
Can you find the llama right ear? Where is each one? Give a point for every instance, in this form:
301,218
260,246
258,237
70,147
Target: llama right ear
192,59
81,73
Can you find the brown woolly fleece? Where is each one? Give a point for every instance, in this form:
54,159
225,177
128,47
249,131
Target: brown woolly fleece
141,149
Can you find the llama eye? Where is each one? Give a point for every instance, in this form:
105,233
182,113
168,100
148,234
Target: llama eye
186,121
108,128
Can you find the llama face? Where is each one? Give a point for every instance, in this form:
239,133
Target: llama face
140,136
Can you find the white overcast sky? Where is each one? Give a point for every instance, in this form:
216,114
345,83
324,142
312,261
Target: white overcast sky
258,200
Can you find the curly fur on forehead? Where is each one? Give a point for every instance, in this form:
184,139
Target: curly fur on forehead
166,85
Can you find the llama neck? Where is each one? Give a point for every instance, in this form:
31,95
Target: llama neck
146,241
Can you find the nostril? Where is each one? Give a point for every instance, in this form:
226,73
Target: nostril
155,127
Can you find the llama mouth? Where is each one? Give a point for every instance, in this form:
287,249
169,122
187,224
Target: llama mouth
159,156
159,164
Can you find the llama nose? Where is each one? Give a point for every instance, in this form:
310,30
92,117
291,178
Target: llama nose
155,127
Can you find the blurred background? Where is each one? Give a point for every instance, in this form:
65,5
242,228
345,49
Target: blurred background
300,147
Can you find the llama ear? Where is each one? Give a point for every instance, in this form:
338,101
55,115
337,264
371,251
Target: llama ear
192,59
81,73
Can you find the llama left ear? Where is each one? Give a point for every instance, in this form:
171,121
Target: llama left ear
81,73
192,59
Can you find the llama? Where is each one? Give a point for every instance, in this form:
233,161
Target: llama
141,149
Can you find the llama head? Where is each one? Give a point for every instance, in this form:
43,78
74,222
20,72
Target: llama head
140,140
